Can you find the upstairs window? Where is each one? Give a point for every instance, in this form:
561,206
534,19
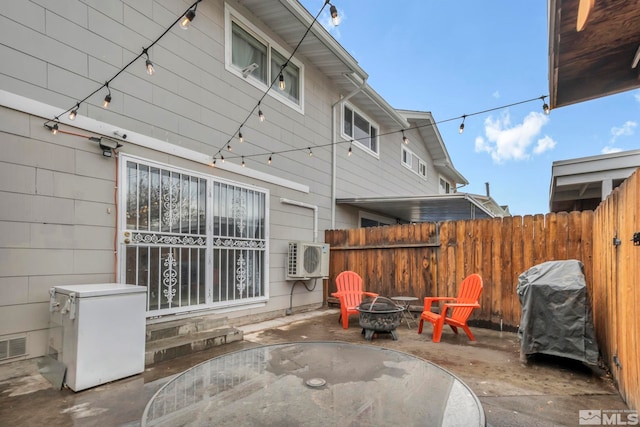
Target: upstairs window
359,129
445,187
252,56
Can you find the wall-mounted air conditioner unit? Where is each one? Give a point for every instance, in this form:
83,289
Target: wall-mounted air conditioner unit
307,260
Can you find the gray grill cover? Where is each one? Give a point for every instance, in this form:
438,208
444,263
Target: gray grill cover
556,312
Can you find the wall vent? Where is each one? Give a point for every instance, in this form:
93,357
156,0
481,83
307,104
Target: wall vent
13,348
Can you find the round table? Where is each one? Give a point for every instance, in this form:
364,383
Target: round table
405,302
315,384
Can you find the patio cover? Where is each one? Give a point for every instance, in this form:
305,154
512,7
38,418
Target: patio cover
433,208
556,312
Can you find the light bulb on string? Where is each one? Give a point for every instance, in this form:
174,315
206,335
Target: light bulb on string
243,161
350,151
107,99
335,19
148,63
260,115
404,138
545,106
281,82
221,158
269,161
53,129
229,147
188,17
240,138
461,128
74,112
310,152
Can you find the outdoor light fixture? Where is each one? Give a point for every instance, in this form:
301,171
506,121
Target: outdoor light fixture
188,17
242,161
149,64
221,158
74,112
106,145
53,129
350,151
228,147
281,80
269,161
404,138
310,152
240,138
260,115
107,99
461,129
335,19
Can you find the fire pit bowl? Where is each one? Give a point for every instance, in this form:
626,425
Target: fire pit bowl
379,315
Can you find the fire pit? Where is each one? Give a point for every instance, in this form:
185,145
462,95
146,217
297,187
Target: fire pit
379,315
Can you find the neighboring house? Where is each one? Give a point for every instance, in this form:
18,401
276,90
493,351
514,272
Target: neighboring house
582,183
207,237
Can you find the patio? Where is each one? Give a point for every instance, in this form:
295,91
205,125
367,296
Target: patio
546,392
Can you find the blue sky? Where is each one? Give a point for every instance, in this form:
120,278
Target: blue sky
461,57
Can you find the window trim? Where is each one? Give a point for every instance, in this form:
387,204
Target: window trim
440,189
232,15
409,165
385,220
351,138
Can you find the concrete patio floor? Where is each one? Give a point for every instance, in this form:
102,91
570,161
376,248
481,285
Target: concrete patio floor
545,392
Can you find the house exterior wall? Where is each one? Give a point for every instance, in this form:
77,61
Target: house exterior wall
59,209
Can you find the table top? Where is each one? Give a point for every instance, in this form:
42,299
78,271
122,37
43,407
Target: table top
315,384
401,298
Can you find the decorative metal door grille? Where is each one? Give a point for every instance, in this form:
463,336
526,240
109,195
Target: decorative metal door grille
193,241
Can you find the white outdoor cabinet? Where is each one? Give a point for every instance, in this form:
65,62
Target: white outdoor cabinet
98,332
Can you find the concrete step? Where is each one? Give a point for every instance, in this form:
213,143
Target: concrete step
168,340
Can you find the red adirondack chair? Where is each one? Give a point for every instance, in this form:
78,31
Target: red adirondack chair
461,308
350,293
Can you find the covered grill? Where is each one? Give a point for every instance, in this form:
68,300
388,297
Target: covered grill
379,314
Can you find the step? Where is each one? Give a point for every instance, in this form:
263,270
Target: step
180,327
171,347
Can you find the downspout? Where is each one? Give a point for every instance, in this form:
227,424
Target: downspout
334,154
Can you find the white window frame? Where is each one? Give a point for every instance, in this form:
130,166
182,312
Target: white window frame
443,190
372,124
381,220
405,152
233,16
422,169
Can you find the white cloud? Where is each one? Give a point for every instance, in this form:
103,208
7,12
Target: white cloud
514,142
545,143
496,94
607,150
636,95
627,129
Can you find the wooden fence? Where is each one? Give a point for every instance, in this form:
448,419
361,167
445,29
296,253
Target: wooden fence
432,259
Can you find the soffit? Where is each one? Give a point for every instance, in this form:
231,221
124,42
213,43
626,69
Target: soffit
596,61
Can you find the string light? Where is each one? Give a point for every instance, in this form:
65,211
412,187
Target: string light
240,138
404,138
107,99
350,150
281,79
260,115
221,158
242,161
545,106
461,128
188,17
53,129
149,64
228,147
335,19
74,112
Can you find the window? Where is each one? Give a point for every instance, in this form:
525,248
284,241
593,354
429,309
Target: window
371,220
195,241
445,187
254,57
359,129
407,157
422,169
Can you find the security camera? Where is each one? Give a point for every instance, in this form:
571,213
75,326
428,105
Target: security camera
107,145
121,135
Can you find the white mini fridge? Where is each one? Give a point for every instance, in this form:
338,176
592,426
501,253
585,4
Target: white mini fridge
98,332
